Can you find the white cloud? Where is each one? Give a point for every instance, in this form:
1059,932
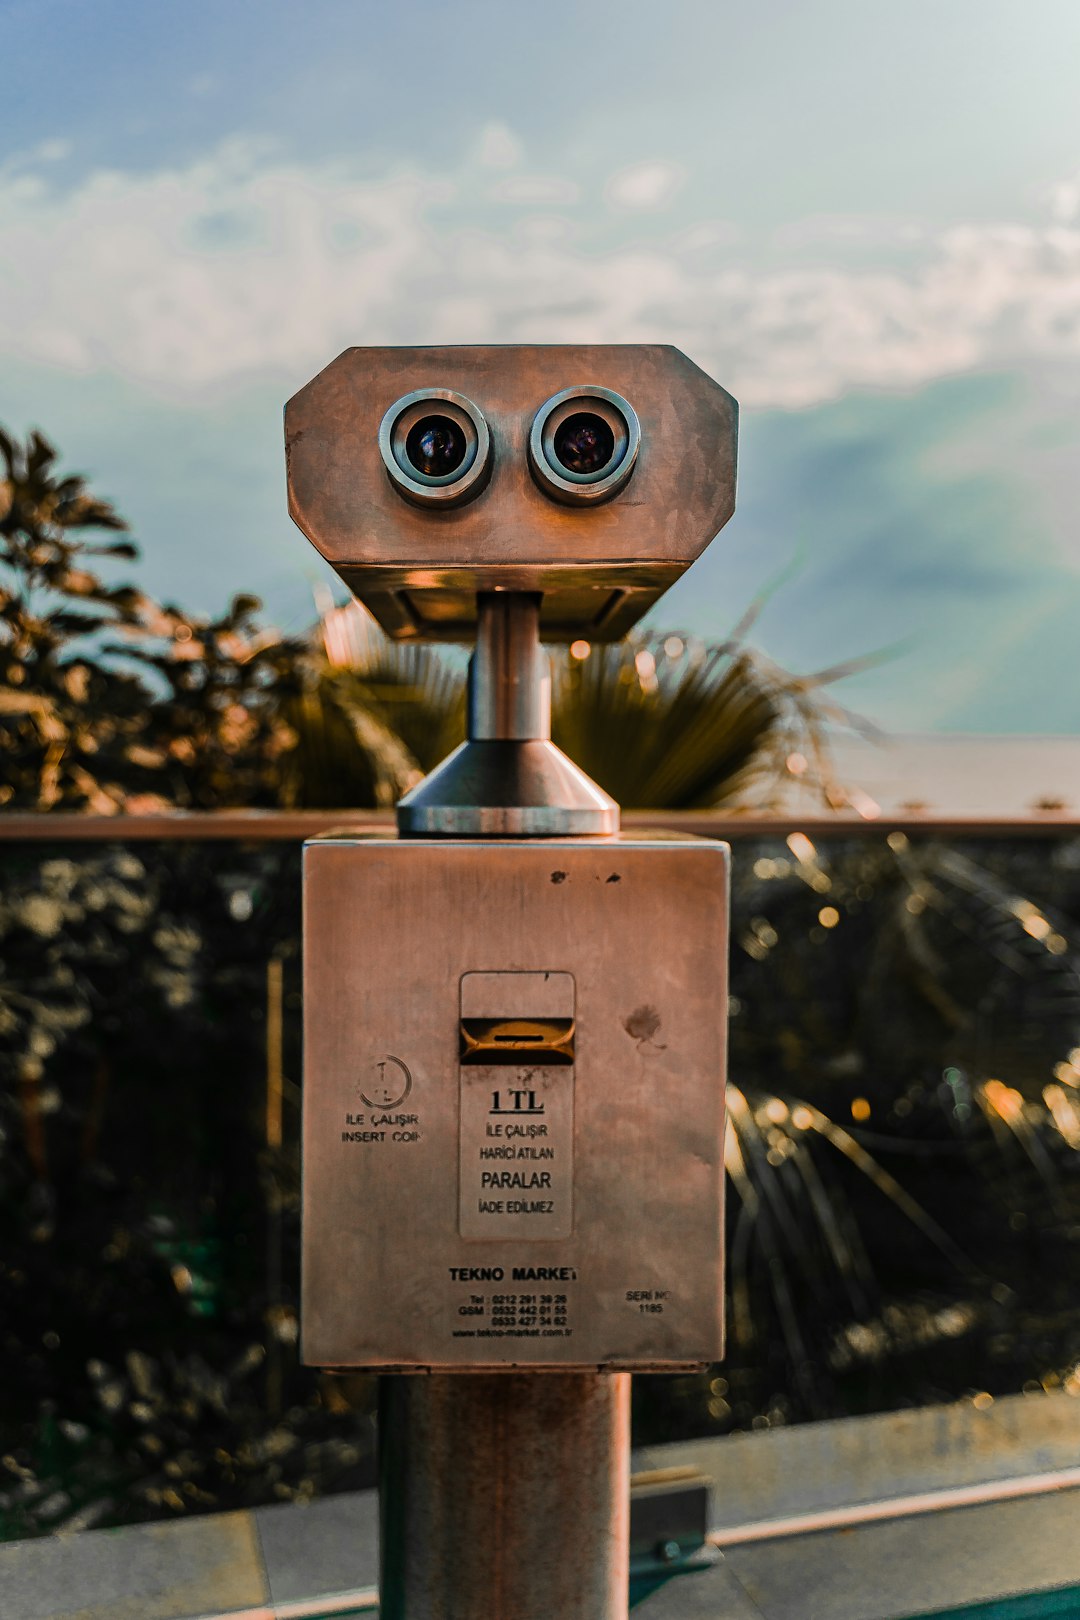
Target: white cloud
498,148
645,185
54,150
204,85
1064,199
245,265
537,191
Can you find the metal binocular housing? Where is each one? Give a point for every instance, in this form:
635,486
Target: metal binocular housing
513,495
589,476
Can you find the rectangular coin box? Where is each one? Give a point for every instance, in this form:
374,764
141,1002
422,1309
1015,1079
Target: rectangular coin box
513,1131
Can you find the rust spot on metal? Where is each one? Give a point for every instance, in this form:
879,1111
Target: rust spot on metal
616,877
642,1024
290,439
558,877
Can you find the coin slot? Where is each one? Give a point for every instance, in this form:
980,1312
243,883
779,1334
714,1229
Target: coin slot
504,1040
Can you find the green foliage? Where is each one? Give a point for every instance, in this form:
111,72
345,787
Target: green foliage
904,1174
148,1356
666,724
660,722
110,701
216,733
904,1127
68,723
369,730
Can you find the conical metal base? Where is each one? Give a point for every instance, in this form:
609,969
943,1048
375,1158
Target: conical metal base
513,789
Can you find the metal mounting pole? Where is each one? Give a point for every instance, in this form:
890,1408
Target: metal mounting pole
508,779
509,677
505,1496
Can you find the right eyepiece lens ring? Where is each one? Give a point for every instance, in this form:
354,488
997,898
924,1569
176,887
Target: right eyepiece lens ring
583,445
436,447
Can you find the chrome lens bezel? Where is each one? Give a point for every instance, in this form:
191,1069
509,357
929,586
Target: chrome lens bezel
584,489
426,489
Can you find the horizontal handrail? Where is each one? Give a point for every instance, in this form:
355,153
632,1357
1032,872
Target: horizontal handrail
293,826
898,1507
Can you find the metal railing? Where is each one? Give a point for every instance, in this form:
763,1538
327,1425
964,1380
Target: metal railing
292,826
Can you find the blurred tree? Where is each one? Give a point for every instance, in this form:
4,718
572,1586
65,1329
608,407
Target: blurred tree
82,728
67,722
663,722
216,734
660,721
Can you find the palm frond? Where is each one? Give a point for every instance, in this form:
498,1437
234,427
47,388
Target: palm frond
660,722
663,722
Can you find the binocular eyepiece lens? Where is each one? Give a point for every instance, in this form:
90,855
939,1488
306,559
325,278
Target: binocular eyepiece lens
583,443
436,446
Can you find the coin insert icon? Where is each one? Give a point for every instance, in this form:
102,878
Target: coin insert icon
389,1085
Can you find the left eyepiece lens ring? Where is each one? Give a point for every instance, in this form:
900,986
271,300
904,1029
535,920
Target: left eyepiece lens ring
436,447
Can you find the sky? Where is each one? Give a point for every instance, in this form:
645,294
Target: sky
861,216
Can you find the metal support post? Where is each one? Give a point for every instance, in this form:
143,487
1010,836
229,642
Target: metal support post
508,779
505,1496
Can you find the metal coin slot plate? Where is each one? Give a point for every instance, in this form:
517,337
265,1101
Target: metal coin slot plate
410,945
516,1133
510,1040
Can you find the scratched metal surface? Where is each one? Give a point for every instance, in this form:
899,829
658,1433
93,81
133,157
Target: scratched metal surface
642,929
599,567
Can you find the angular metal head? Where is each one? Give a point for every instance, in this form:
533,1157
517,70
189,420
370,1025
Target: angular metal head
592,474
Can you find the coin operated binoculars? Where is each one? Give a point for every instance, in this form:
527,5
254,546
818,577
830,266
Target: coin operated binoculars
514,1016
